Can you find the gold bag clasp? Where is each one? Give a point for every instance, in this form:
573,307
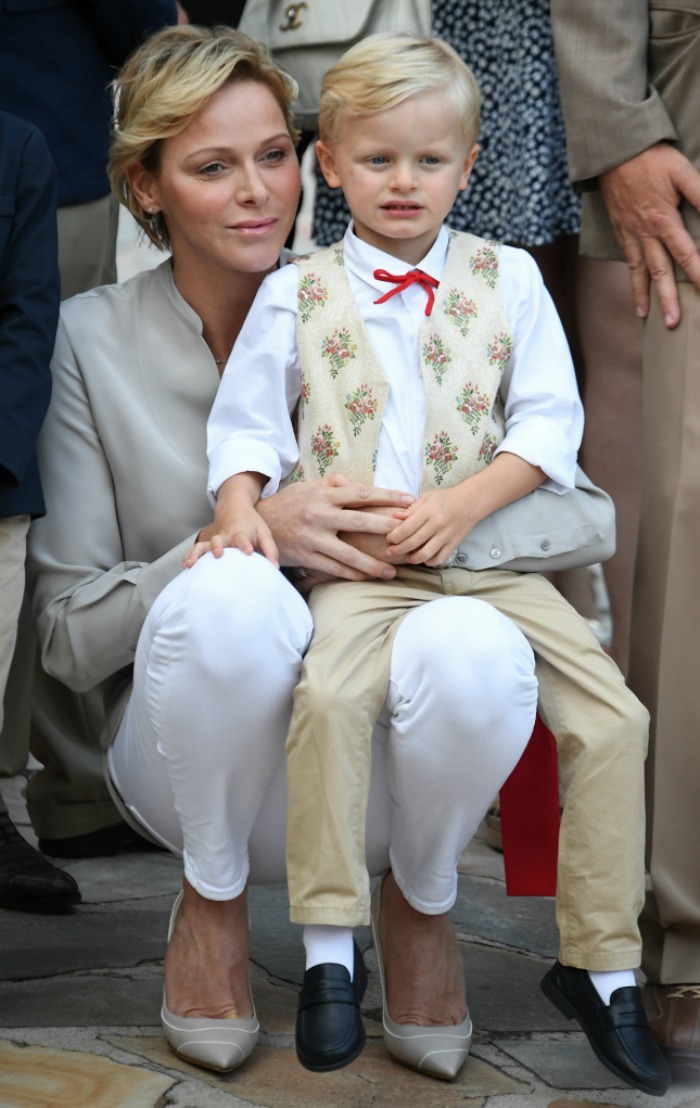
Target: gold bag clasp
293,16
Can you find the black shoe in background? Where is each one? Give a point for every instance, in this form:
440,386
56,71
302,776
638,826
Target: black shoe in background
120,838
28,881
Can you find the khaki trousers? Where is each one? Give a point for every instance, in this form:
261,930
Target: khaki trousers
665,647
87,245
13,549
600,728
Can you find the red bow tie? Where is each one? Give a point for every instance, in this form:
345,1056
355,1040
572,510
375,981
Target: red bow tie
413,277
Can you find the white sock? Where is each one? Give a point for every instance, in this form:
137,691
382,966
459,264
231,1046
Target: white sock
325,943
606,981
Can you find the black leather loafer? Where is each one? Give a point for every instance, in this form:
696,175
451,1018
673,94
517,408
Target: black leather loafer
618,1032
329,1030
29,882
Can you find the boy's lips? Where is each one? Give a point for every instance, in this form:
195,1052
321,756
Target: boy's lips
401,206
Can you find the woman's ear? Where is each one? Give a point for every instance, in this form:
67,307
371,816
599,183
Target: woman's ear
144,186
326,160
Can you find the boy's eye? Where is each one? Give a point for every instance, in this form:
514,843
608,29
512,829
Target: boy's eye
377,159
431,159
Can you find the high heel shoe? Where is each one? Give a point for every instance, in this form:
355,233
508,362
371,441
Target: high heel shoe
438,1051
216,1044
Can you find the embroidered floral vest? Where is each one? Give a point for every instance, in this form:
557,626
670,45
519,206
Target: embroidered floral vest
464,345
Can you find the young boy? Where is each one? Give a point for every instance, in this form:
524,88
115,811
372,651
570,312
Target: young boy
423,359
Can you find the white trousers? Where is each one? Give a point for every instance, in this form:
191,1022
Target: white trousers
199,756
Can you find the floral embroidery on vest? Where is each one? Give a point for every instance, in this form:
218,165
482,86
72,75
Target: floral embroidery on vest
305,390
324,447
441,454
311,293
485,263
360,406
338,348
488,448
460,310
500,349
472,404
436,353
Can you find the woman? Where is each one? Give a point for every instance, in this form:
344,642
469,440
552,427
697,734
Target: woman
197,667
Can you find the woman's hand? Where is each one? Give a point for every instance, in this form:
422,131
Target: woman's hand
312,523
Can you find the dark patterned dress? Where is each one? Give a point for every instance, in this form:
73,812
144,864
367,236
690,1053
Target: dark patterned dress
518,191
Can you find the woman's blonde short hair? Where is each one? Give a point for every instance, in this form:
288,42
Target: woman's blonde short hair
164,83
382,70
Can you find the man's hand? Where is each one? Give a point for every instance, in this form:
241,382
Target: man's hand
642,197
307,520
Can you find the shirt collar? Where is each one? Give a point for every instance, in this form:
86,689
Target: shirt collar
363,259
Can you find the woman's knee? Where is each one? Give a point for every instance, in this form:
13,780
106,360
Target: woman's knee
237,603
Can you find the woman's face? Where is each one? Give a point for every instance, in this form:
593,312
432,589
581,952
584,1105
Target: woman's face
228,185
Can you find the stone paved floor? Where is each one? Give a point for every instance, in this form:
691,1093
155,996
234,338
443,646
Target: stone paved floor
80,997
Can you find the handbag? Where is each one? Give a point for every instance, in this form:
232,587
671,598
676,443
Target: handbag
307,38
544,531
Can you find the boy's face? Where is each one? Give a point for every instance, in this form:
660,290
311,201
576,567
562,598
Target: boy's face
400,171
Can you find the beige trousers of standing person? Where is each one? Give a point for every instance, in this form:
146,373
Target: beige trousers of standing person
87,245
664,669
600,728
13,549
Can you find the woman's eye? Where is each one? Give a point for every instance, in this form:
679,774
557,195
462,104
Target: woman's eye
275,156
211,170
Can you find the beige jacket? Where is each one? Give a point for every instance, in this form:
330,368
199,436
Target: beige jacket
123,454
630,77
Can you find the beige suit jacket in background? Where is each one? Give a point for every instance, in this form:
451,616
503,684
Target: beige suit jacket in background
630,77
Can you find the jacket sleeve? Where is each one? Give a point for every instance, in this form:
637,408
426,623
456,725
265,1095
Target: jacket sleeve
88,600
123,24
29,301
611,110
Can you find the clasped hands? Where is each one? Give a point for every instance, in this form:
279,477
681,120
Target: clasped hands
337,528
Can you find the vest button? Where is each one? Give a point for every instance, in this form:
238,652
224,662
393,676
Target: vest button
545,544
462,559
495,552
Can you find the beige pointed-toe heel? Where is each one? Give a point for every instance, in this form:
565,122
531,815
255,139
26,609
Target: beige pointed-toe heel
216,1044
438,1051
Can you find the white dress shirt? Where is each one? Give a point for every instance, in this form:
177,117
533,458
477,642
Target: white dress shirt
250,429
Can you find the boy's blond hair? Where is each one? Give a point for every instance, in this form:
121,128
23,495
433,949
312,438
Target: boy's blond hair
384,69
164,83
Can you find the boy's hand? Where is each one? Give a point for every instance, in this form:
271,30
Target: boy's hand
432,528
435,524
236,523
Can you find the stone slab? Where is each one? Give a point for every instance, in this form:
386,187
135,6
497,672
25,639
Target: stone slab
91,1001
273,1078
35,945
522,922
36,1076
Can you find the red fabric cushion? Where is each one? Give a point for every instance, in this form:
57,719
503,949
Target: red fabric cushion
529,803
